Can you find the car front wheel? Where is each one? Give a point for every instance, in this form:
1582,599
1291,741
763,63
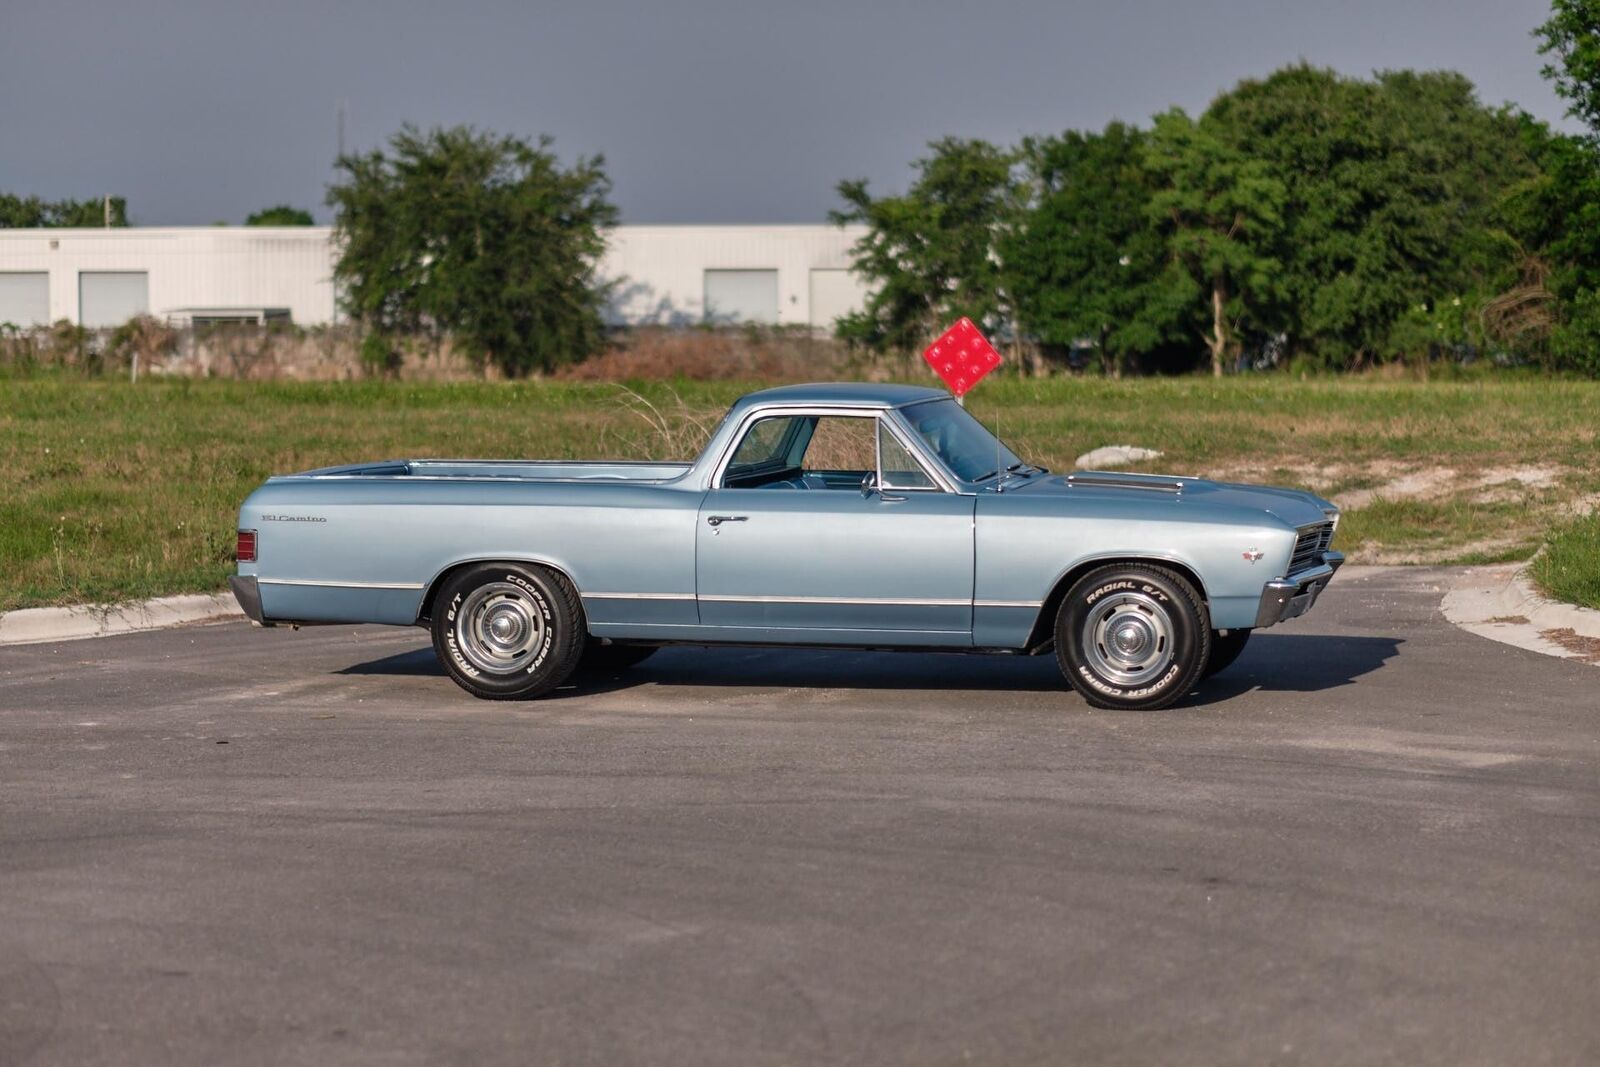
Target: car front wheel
508,631
1132,636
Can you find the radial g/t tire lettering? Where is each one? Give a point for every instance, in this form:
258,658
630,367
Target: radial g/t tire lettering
1133,636
508,631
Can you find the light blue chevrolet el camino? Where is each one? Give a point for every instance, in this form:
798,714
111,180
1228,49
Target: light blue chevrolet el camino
859,516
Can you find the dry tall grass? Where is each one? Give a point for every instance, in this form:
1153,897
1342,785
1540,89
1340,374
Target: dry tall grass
333,353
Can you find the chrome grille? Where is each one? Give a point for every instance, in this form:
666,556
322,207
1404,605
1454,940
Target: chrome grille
1309,546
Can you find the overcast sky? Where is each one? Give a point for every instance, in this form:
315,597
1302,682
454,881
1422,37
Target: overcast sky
741,111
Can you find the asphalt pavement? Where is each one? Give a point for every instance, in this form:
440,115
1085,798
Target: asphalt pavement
1376,839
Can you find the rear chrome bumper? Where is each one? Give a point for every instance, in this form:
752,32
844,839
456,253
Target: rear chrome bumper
1292,597
248,594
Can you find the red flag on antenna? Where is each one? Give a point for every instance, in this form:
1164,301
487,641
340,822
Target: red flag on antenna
961,356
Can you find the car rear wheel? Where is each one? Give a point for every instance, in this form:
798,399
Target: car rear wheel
1225,648
1132,636
508,631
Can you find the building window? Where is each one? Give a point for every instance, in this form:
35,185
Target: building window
737,296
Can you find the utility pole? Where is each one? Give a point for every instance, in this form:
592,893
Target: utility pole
342,105
106,204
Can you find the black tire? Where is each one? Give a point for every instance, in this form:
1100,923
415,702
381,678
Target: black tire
1225,648
600,659
1162,629
508,631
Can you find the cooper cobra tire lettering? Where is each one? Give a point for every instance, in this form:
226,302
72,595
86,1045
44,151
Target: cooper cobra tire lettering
1156,604
547,596
544,610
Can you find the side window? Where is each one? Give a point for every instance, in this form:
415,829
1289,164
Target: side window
900,468
841,444
763,450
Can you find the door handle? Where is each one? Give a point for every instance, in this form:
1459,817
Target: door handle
718,520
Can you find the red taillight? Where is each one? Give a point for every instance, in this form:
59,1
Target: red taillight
245,549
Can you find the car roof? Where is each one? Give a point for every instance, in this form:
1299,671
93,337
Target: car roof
844,394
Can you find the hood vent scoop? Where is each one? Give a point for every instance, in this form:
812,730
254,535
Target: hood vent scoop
1154,483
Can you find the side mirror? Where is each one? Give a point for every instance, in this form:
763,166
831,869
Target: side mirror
870,486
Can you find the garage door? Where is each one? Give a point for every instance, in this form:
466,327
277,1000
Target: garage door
25,298
111,298
834,294
742,296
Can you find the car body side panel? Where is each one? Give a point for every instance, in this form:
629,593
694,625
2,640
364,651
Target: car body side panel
1026,542
897,565
366,550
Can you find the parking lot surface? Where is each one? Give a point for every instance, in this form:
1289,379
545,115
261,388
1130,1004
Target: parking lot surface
1374,839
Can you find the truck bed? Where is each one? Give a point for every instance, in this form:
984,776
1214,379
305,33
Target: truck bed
510,469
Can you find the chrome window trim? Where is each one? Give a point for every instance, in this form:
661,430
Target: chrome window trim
886,423
881,414
339,584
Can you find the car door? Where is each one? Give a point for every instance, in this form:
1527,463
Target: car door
792,546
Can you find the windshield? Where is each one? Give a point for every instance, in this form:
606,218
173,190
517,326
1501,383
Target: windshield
971,452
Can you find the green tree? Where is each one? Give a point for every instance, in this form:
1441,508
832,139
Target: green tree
1571,36
1084,262
1556,215
1221,213
30,212
932,255
482,237
1390,187
280,215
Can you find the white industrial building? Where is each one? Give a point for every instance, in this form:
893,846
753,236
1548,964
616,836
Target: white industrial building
663,275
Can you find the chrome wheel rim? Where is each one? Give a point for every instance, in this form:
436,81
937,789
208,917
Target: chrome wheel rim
1128,639
500,628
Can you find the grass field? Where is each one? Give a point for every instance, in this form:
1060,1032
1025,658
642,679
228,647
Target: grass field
115,491
1569,568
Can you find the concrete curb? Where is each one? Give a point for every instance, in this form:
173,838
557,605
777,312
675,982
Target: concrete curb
1501,604
35,625
1521,598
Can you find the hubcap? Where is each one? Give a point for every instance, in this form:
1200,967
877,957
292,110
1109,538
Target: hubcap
499,628
1127,638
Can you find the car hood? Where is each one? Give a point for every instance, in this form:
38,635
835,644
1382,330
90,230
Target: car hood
1292,506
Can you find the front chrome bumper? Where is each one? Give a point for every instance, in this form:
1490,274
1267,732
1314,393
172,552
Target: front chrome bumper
248,594
1292,597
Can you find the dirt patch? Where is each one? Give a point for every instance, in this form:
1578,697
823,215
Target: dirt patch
1489,547
1424,484
1514,620
1321,478
1394,481
1585,648
1581,506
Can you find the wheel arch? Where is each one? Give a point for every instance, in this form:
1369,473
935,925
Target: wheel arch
430,594
1043,632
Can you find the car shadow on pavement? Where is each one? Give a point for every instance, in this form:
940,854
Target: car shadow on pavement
1299,663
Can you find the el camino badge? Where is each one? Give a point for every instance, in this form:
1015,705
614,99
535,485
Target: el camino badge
1253,554
293,518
